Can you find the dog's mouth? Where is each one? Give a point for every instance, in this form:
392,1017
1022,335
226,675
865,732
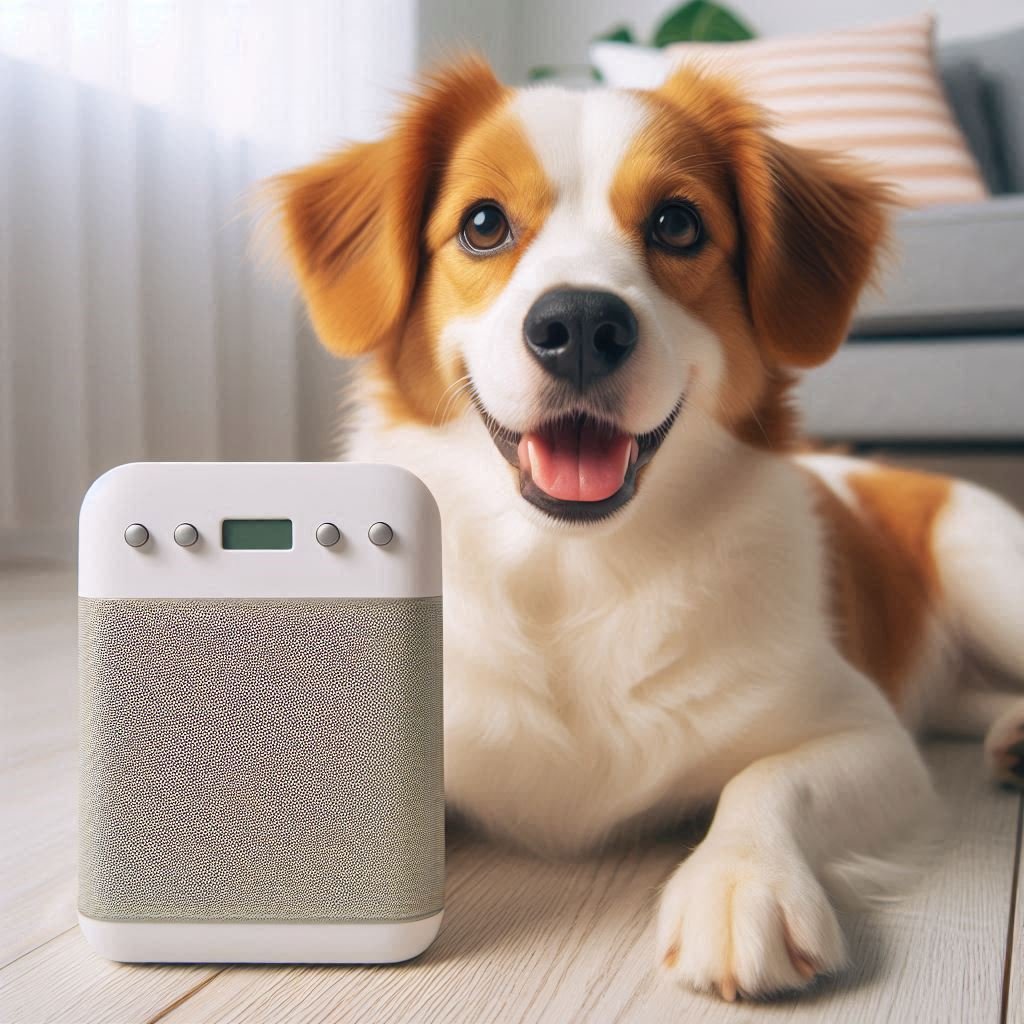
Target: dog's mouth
578,467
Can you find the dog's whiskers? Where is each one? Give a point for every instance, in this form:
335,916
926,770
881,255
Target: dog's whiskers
453,399
450,395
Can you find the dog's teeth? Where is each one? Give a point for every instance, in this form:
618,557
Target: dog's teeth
530,454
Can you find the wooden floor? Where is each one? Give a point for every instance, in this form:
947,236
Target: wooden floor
522,941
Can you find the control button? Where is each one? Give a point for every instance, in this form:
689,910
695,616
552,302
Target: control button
185,535
327,535
136,535
380,534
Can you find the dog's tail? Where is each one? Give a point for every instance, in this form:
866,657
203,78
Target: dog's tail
979,551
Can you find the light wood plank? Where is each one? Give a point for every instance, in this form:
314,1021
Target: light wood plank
38,724
64,982
937,956
528,941
1015,982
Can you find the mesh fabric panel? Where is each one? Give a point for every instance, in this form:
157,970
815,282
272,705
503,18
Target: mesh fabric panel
261,759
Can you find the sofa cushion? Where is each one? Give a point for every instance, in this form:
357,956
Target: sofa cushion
952,269
955,389
968,93
1001,60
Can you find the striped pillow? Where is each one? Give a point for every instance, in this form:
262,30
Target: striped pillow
873,93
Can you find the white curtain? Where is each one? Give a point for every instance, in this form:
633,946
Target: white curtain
134,321
296,74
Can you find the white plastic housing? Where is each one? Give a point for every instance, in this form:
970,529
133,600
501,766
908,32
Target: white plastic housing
353,496
292,942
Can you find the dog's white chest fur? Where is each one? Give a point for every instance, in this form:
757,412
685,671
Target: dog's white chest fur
556,703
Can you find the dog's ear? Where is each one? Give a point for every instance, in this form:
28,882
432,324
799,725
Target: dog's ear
812,229
352,222
811,225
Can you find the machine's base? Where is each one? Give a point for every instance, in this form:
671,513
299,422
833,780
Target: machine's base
260,942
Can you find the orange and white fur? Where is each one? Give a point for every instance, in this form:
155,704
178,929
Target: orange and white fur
653,604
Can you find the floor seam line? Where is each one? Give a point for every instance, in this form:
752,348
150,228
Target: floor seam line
1004,1008
41,945
184,997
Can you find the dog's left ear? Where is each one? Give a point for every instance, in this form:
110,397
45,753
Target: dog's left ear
811,225
813,229
353,222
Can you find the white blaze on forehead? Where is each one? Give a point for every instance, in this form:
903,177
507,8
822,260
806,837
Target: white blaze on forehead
580,139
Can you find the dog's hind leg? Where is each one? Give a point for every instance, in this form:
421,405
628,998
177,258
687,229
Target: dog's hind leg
978,547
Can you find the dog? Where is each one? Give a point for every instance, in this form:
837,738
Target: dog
581,314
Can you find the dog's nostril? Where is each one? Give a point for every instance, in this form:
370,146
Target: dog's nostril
606,338
556,335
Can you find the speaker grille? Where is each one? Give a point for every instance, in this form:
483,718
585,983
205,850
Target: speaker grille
261,759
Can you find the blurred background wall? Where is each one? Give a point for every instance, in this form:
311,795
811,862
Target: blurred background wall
518,35
559,32
134,322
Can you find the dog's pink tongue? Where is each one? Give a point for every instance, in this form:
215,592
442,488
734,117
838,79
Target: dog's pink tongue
577,462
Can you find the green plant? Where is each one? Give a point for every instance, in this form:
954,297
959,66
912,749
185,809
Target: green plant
701,21
698,21
619,34
542,71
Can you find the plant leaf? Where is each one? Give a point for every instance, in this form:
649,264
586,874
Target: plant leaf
618,34
541,72
701,21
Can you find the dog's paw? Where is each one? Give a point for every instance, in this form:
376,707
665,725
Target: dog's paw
1004,747
737,921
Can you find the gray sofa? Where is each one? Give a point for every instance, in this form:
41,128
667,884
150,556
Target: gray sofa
937,352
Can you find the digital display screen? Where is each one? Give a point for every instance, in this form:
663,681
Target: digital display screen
256,534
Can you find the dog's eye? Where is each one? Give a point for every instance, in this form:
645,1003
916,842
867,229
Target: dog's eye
676,226
485,228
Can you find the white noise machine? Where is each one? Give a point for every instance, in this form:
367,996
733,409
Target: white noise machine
261,731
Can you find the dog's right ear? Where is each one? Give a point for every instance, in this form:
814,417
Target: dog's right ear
353,222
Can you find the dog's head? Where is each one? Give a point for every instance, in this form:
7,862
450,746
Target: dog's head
591,265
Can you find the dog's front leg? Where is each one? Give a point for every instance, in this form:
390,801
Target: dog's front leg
748,912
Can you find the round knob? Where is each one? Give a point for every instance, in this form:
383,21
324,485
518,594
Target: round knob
380,534
185,535
327,535
136,535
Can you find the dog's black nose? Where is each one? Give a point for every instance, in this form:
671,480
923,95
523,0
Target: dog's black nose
580,335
